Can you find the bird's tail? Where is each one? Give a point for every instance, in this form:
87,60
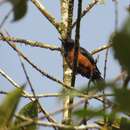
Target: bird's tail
99,79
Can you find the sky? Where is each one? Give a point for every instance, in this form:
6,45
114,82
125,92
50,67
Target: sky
96,28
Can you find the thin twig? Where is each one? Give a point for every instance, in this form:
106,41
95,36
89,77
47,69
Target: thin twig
105,63
105,69
76,46
85,119
45,95
49,118
48,95
103,47
61,126
9,79
5,18
42,9
6,76
30,42
89,97
66,108
86,10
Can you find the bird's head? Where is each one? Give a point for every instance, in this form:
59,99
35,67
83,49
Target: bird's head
67,43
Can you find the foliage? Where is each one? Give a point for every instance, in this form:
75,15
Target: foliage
121,45
19,8
8,108
31,111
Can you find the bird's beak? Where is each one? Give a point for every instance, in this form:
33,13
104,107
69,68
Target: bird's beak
62,41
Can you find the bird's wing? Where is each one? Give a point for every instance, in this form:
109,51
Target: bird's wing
87,55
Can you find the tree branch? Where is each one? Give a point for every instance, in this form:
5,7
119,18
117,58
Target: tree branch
76,46
9,79
98,97
30,42
103,47
61,126
48,95
42,9
86,10
49,118
5,18
65,20
70,17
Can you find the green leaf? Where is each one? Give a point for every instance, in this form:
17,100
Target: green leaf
8,107
31,111
121,46
19,8
122,96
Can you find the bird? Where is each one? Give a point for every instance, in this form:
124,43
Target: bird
86,65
